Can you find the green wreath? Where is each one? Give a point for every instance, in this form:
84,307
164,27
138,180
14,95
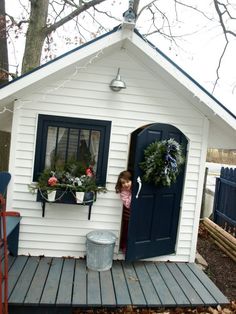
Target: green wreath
162,161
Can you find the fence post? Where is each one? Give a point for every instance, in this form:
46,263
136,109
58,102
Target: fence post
204,192
216,197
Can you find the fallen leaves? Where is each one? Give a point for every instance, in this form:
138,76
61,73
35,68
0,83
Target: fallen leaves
229,309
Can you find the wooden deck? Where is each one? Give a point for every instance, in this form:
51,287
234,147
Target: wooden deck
57,285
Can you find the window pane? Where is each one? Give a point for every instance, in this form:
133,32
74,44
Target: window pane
61,148
94,148
51,144
73,145
84,155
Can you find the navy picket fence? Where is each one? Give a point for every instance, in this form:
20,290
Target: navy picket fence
224,210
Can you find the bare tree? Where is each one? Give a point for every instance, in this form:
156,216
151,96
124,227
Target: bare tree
45,17
3,45
224,11
39,29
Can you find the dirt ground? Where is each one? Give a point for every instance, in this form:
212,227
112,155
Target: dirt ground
221,268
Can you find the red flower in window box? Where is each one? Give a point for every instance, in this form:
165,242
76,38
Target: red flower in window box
52,181
89,172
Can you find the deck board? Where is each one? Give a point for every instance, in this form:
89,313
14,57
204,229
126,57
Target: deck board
189,291
51,286
133,284
122,292
160,285
11,260
107,289
204,294
210,286
172,284
93,289
36,289
80,284
66,283
148,288
15,272
24,281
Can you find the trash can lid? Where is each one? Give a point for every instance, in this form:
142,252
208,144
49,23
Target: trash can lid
101,237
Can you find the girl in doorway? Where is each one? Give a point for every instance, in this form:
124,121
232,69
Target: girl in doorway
123,187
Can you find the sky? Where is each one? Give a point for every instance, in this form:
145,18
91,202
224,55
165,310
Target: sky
198,51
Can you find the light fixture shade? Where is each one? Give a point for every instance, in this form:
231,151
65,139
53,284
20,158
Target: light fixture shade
117,84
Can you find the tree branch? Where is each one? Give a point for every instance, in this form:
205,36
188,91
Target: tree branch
225,32
145,7
13,75
220,15
108,14
101,26
18,24
226,10
72,15
193,8
61,10
219,65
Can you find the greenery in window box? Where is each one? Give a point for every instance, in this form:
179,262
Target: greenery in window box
162,162
70,178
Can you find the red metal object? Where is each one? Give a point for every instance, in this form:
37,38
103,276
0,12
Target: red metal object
3,272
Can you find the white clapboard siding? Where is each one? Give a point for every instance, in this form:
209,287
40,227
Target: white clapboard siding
85,94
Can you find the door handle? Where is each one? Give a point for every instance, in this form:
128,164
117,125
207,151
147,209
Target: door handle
139,186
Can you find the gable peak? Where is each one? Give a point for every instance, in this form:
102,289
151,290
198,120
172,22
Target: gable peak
129,17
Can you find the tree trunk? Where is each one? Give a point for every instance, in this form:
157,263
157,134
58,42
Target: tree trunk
35,35
4,66
136,5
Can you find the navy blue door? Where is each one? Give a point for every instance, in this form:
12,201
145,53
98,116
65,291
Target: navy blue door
155,213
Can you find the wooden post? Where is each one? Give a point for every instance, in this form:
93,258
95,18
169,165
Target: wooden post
225,241
4,150
204,191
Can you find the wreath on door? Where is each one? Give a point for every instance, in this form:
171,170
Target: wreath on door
162,162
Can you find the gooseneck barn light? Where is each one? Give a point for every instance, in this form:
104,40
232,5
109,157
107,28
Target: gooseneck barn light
117,84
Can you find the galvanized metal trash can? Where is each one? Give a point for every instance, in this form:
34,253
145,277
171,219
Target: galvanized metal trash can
100,248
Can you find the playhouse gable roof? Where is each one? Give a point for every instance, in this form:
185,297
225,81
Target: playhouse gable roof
157,62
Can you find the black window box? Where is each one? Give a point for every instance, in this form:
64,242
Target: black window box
66,197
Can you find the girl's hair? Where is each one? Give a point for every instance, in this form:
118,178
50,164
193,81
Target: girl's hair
125,175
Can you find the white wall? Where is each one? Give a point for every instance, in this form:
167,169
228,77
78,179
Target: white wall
85,93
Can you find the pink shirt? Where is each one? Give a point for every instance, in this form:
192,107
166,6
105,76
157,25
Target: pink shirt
125,195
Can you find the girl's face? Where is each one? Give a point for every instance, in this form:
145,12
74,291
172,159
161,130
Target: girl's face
126,184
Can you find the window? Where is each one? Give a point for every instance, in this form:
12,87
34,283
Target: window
61,140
